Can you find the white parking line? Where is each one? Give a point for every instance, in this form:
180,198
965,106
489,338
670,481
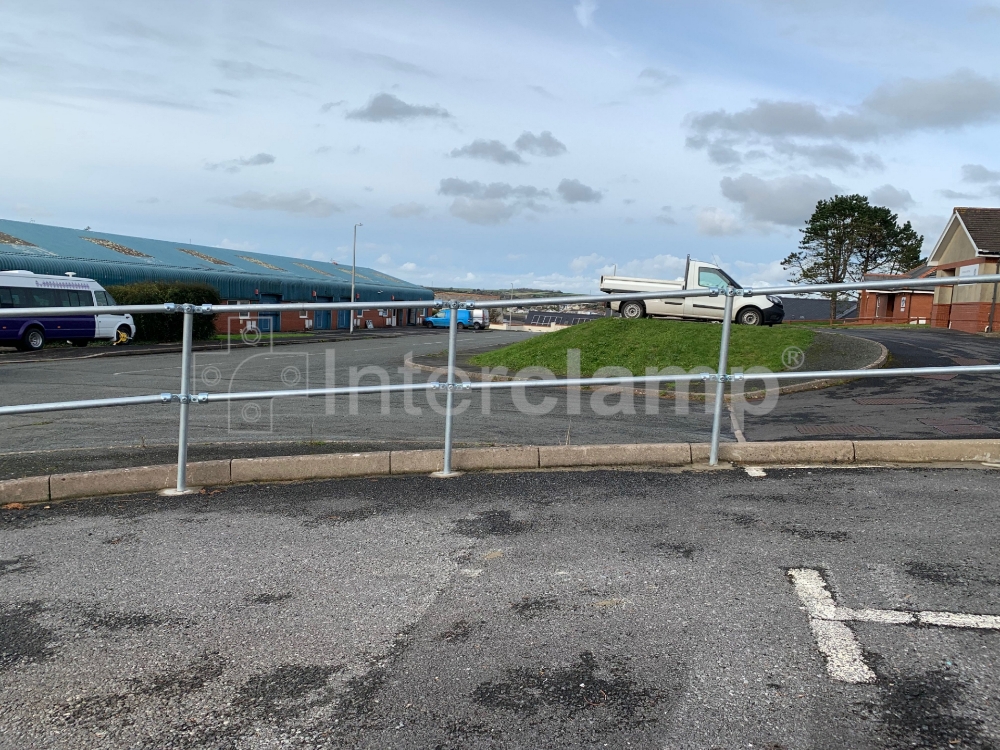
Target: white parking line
836,641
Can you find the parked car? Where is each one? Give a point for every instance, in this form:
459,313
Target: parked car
477,319
25,290
754,311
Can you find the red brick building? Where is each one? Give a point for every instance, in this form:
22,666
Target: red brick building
897,305
969,246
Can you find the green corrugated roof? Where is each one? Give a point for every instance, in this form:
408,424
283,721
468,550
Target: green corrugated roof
118,259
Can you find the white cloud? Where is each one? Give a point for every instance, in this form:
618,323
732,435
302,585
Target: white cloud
584,262
543,144
750,274
483,211
388,108
654,79
979,173
805,130
494,203
891,197
584,11
238,70
786,200
301,202
235,165
407,210
714,221
574,191
493,151
666,215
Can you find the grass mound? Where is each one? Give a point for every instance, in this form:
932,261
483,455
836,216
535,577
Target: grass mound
638,344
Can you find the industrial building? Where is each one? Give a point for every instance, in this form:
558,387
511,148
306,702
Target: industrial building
237,275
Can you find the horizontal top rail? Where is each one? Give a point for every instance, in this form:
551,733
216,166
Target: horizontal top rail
207,309
749,292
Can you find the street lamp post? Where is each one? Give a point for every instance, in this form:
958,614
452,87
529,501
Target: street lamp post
510,310
354,269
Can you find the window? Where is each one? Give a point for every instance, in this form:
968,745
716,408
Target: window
13,297
103,298
43,298
303,313
709,277
246,314
902,304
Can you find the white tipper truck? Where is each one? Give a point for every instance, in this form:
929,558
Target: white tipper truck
752,311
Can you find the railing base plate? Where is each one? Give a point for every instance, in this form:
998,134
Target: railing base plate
448,475
174,492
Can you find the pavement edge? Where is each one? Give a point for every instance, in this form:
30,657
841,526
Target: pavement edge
135,479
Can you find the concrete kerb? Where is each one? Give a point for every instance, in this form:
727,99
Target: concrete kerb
505,458
27,490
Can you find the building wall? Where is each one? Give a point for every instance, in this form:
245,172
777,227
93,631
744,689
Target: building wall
966,307
905,307
956,248
296,321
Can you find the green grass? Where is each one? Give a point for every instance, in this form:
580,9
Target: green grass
638,344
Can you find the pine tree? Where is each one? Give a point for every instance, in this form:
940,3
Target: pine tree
847,238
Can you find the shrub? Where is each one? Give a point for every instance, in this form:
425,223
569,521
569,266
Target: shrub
167,326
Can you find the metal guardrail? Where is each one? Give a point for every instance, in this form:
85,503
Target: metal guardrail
721,377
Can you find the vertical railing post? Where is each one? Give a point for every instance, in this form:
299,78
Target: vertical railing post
450,396
185,398
720,383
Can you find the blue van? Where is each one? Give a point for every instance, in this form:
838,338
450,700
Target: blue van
476,319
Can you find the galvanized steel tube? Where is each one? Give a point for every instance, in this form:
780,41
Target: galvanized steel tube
720,386
450,395
185,397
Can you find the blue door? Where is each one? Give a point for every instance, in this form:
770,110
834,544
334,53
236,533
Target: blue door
269,322
343,318
322,319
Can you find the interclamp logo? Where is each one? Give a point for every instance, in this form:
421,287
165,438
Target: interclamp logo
793,358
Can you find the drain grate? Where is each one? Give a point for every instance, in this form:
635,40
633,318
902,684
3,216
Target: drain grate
957,426
888,401
835,429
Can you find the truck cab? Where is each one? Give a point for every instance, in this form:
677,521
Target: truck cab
698,275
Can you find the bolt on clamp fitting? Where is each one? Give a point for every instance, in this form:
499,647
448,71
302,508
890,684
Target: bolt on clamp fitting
453,386
166,398
170,307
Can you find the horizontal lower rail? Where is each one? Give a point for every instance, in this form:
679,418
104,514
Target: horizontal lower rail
434,385
96,403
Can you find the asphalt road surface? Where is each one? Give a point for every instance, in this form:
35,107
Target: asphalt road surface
522,610
962,406
498,420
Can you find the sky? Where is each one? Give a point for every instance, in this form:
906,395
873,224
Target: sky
537,143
